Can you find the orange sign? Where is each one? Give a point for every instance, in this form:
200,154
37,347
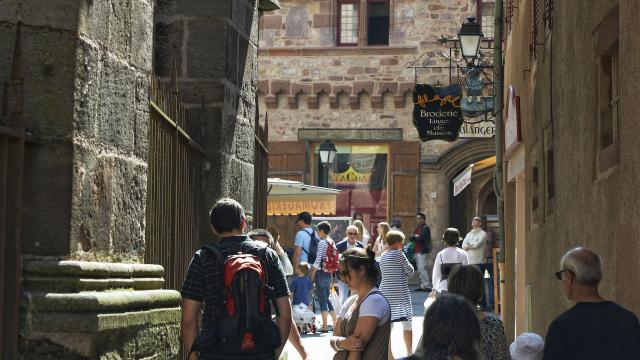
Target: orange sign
292,207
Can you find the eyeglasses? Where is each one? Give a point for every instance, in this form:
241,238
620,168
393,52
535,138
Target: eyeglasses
559,273
352,233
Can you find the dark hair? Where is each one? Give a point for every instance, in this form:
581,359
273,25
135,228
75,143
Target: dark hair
305,216
450,327
261,232
451,236
324,226
356,258
466,281
356,214
395,222
226,215
422,215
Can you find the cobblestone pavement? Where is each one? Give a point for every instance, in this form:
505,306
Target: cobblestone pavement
318,348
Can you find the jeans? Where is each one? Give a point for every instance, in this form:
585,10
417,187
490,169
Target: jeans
323,285
421,264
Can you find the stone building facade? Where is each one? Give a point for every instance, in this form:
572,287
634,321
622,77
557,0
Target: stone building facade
572,179
323,77
85,68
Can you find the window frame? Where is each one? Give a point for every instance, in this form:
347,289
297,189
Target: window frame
479,14
339,23
363,22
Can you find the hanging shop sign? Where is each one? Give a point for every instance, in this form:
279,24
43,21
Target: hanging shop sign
350,177
436,112
478,128
512,134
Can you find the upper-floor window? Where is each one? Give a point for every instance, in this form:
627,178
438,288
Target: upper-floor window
374,21
486,16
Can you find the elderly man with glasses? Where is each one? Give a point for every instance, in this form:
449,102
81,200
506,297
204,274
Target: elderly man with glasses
593,328
350,241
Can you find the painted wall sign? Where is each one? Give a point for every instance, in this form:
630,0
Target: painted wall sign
436,112
351,176
512,134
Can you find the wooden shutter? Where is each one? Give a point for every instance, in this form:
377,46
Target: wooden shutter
405,165
287,160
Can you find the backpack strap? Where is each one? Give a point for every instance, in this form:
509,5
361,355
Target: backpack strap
310,239
220,259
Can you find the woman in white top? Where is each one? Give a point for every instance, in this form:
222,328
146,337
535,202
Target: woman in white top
446,259
363,327
379,246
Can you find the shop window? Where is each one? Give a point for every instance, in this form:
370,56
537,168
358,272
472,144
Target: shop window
360,172
486,16
608,95
377,18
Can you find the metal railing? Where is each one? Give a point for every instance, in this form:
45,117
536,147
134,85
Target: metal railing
261,172
12,142
174,184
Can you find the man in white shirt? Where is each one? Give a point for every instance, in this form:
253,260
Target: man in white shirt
474,244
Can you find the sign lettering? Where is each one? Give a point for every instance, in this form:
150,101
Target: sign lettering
436,112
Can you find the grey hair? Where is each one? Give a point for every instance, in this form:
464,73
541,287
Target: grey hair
261,232
585,265
353,227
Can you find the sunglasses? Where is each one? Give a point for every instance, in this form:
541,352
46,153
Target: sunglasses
559,273
352,233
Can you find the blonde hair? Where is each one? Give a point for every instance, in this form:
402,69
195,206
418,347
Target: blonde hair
304,267
385,229
394,237
360,227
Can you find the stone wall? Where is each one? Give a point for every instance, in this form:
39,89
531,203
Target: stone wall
306,81
214,46
86,68
590,207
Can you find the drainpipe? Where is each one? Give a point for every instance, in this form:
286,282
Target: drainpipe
498,106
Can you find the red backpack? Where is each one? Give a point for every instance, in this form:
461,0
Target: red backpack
332,260
242,318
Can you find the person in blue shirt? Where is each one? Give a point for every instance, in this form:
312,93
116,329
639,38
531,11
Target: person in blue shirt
301,285
302,241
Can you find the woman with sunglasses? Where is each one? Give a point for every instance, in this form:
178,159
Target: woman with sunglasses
363,327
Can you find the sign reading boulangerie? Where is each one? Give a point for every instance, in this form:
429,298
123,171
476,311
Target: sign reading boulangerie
436,112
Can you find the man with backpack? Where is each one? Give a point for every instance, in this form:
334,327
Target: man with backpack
326,264
305,246
237,279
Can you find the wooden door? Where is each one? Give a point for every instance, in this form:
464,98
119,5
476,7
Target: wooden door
404,166
287,160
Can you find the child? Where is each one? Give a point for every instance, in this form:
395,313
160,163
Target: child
395,270
301,287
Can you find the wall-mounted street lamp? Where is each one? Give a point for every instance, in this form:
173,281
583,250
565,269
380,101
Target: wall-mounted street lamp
327,153
470,35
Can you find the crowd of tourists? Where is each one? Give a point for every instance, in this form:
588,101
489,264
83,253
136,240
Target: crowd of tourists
237,301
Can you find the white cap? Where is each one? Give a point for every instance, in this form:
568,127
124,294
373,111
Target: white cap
528,346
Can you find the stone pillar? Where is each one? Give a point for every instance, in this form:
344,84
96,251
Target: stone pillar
214,45
86,68
92,310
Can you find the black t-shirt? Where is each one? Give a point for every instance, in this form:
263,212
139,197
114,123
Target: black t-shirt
598,330
203,282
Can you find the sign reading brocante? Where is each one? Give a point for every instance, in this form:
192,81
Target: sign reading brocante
436,112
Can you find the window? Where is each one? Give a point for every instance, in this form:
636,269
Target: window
486,16
548,15
608,95
350,19
348,23
378,23
535,19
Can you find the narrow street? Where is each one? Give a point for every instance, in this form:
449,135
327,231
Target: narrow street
318,345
